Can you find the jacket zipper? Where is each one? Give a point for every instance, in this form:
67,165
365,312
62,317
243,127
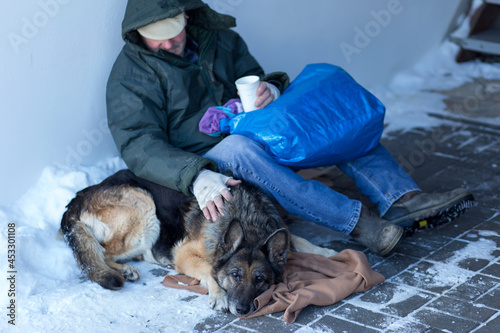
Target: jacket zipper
200,67
203,74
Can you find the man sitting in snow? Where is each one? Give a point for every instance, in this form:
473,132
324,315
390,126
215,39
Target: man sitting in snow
181,59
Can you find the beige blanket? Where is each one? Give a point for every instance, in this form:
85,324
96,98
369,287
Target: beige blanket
307,279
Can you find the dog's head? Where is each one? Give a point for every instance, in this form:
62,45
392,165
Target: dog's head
245,269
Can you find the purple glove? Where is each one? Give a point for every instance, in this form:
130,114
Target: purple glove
210,122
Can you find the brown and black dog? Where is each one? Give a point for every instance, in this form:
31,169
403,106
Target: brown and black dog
126,217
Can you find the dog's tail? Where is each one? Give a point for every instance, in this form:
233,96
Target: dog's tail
86,248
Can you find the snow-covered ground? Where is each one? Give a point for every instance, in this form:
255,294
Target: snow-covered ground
50,294
415,92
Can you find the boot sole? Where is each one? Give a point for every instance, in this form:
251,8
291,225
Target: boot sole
394,244
451,211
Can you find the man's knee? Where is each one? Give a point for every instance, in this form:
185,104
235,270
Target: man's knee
241,141
240,144
236,147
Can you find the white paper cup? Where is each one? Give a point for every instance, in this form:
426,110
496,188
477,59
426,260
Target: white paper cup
247,87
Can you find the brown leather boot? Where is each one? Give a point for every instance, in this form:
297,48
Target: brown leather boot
427,210
379,236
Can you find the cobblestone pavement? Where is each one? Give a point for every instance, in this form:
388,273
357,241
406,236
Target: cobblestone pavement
441,280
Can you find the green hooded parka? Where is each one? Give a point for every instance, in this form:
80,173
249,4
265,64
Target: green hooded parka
155,100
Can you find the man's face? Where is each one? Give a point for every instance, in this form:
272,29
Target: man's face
174,45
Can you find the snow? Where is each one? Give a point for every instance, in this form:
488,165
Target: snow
415,92
51,295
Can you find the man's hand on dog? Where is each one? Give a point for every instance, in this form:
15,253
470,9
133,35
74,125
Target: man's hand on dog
209,187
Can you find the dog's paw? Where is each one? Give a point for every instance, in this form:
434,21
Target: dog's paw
218,301
130,273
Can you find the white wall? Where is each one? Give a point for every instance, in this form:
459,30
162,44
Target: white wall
56,56
371,39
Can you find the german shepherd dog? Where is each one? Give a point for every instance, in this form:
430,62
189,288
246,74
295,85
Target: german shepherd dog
126,217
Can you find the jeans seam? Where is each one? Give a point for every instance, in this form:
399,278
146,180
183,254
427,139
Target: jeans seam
369,177
389,198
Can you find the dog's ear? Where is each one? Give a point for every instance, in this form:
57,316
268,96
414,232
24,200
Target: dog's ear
233,237
277,246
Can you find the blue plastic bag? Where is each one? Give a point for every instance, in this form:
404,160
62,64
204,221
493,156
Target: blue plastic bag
323,118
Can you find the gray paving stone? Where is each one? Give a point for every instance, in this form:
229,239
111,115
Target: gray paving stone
474,288
212,324
365,316
266,324
333,324
482,210
445,321
492,224
485,231
447,251
435,330
427,276
311,313
373,259
496,216
491,299
409,305
459,226
396,300
473,264
407,326
234,329
462,309
490,326
394,265
422,243
493,270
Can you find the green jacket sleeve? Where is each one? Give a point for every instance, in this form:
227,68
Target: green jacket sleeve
279,79
138,126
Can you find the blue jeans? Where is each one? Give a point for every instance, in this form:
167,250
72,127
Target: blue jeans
377,175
